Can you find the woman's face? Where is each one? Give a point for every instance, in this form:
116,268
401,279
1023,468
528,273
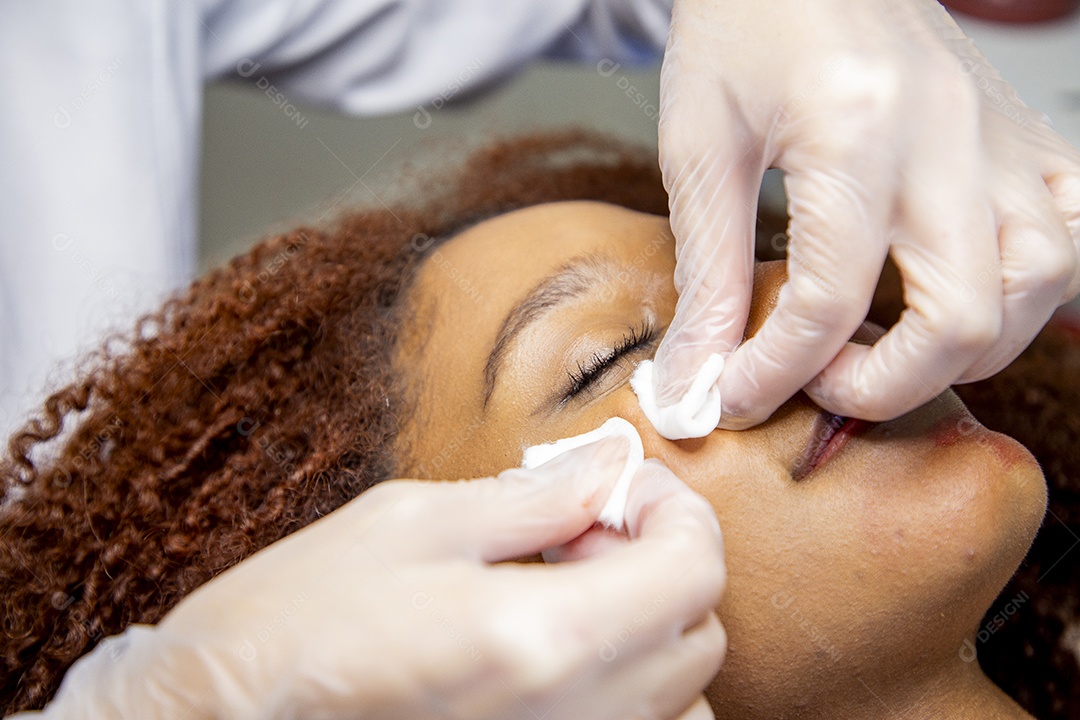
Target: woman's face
878,562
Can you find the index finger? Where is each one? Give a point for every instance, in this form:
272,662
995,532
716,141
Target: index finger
712,167
838,246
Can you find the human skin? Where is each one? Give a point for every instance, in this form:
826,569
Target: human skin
851,591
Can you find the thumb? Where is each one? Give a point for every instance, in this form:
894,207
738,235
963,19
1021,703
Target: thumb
522,512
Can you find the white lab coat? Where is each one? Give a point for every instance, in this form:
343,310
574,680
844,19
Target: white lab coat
99,135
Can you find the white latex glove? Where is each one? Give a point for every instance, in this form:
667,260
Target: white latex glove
897,137
393,607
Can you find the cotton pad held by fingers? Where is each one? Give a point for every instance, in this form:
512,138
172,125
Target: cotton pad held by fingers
698,411
613,514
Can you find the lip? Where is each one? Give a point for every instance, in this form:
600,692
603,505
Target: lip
829,436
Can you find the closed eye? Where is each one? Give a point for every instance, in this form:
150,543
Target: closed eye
590,372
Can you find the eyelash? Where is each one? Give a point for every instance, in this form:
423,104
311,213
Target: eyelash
589,372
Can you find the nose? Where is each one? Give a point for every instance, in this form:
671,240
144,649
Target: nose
769,277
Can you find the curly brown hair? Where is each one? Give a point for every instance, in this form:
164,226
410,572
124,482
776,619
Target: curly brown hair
264,396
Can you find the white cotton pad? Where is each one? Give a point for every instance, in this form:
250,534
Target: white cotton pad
613,513
695,415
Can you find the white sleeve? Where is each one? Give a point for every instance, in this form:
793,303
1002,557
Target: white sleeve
99,145
376,56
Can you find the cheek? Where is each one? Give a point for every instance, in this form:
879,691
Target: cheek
770,527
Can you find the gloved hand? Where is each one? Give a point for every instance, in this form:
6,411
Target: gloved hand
897,137
392,606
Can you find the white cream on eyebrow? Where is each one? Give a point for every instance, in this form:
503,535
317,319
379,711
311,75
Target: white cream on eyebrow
613,514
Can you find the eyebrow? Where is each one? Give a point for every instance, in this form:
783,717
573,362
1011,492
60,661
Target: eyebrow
570,282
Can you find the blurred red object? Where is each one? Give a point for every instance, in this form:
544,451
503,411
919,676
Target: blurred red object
1014,11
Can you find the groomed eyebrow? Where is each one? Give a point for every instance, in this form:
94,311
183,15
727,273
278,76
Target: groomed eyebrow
568,283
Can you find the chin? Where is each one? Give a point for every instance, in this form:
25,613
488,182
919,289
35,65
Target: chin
1007,506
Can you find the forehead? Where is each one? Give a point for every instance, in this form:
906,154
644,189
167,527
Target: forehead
532,242
468,285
